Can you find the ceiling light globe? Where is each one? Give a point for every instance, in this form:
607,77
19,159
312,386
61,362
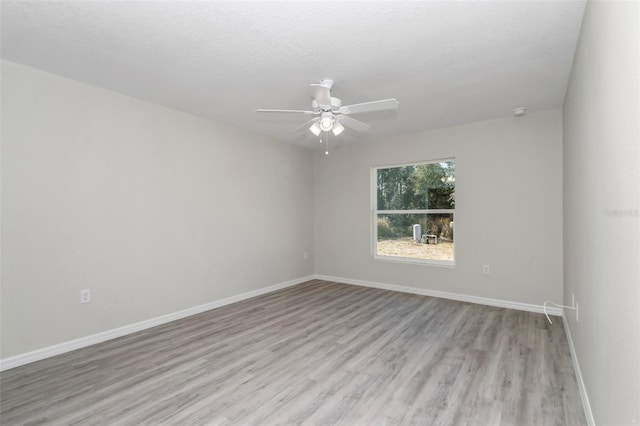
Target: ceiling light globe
326,123
315,129
337,128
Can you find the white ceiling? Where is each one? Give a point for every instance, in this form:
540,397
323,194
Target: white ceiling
447,62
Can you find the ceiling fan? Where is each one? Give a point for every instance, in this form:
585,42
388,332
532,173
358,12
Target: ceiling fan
331,115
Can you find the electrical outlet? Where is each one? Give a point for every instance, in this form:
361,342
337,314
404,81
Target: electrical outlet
485,270
305,255
85,296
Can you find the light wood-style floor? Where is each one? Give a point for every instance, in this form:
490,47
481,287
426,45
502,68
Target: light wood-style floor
318,353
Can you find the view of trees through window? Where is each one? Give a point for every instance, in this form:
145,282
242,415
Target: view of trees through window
419,194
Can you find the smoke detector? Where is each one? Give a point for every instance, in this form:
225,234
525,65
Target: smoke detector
519,112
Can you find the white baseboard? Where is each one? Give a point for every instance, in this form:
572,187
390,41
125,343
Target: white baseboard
445,295
40,354
576,368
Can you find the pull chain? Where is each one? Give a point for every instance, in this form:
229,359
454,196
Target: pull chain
326,140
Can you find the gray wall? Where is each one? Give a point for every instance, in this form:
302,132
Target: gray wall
508,209
601,209
153,210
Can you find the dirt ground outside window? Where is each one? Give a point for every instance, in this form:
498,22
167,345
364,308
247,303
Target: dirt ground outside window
407,247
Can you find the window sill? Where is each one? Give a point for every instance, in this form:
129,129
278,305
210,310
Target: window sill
414,261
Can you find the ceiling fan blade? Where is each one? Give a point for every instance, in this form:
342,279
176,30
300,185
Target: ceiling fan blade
353,123
370,106
306,125
322,94
290,111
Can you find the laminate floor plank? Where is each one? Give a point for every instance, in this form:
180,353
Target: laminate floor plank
317,353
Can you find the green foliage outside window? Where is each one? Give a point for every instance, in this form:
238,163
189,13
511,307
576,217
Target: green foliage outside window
416,187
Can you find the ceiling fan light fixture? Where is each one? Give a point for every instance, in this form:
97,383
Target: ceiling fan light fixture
329,115
326,123
315,128
337,128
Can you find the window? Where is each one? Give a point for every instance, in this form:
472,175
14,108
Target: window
413,207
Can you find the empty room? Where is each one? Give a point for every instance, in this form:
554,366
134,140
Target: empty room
320,213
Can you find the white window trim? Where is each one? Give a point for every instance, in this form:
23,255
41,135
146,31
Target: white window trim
374,220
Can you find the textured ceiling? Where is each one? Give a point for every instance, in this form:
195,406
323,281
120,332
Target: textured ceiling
446,62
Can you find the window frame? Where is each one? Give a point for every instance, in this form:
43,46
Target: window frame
374,212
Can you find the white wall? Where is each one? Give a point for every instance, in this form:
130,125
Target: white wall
508,209
602,204
153,210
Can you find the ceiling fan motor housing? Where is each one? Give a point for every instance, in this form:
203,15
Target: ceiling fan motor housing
336,103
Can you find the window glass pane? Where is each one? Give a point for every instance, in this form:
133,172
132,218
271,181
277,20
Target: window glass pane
396,189
418,187
435,239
